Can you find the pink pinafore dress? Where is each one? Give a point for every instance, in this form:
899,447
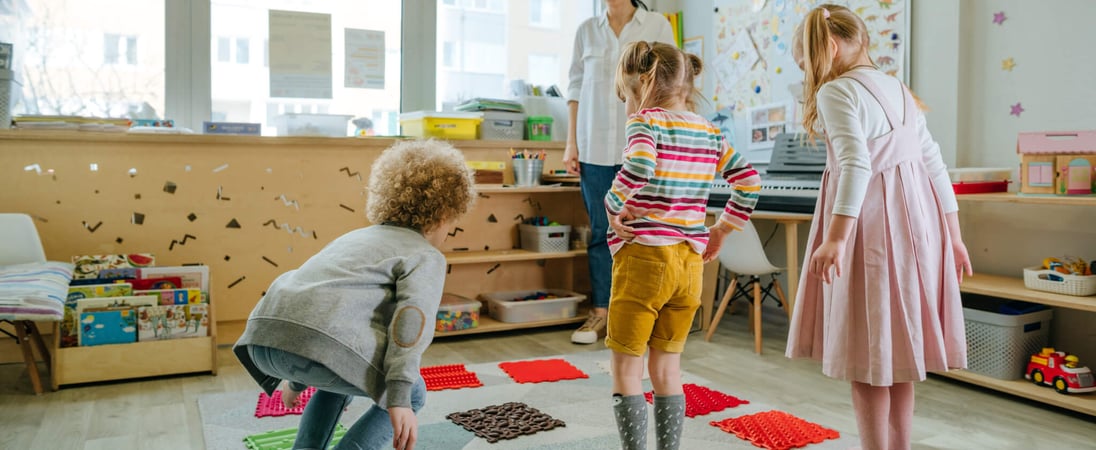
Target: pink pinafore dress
894,313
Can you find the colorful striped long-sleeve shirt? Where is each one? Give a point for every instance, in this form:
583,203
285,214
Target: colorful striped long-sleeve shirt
670,160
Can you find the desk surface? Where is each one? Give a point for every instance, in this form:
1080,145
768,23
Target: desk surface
771,215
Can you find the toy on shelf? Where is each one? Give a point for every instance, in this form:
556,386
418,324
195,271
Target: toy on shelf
1057,162
1060,370
1066,275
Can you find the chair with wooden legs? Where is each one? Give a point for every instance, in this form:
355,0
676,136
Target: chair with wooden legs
743,254
31,289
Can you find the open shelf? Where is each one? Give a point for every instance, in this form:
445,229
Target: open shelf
1013,288
1083,403
1013,197
488,325
490,256
507,189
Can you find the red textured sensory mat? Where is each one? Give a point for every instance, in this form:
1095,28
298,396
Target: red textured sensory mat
776,430
542,370
272,405
450,376
700,400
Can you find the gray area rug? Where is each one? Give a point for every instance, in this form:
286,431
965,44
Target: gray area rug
583,404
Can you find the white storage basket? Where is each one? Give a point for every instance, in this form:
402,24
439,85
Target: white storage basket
1079,285
999,345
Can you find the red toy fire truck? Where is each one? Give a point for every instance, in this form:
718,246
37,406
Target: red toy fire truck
1060,370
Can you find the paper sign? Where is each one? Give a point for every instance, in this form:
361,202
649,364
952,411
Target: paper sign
300,54
364,59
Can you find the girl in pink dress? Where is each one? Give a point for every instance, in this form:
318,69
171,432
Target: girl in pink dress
879,299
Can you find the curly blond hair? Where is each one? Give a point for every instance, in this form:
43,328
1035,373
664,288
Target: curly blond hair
419,184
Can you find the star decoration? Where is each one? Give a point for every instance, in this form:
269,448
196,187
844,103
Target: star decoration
1017,109
1008,64
999,17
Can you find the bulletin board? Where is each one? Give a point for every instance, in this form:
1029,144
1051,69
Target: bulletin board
754,69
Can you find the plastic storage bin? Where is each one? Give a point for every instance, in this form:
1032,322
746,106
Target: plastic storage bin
505,306
999,344
549,239
1048,280
457,313
447,125
299,124
540,128
501,126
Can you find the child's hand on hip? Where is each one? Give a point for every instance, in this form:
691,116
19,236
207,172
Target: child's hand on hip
404,426
715,243
617,223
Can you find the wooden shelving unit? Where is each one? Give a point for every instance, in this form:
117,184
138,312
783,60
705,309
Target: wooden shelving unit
488,325
1013,197
1012,288
506,255
506,189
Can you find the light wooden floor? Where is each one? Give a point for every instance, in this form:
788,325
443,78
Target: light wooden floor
163,413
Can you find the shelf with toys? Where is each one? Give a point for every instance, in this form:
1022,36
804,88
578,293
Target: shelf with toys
486,254
1014,288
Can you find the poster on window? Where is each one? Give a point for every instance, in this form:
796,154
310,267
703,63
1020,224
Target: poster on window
364,59
300,54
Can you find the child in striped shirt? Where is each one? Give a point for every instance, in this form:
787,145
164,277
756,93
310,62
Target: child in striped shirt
657,207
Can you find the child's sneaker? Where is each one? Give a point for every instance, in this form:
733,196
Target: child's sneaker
591,331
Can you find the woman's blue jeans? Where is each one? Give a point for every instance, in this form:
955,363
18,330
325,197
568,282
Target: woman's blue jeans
595,182
372,431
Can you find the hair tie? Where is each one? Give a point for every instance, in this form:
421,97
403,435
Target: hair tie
826,13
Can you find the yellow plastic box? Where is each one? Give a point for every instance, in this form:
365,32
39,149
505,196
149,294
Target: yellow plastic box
447,125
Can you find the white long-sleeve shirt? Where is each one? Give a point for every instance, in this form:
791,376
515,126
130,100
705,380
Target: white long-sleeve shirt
592,82
851,116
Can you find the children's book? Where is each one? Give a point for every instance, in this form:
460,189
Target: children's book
156,283
89,266
70,331
101,326
196,277
172,321
173,296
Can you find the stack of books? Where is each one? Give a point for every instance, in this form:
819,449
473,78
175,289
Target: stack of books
490,104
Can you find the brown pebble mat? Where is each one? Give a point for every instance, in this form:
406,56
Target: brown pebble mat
506,421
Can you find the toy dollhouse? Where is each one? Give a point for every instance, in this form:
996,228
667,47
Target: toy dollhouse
1062,163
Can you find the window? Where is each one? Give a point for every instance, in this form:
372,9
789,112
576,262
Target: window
364,86
481,52
223,49
544,70
114,46
544,13
87,59
243,51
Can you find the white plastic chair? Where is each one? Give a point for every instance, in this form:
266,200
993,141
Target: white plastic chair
20,244
743,254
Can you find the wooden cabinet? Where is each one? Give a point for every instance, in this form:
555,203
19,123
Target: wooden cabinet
483,252
1011,288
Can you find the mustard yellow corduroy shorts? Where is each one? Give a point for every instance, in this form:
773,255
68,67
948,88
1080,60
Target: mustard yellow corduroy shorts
655,294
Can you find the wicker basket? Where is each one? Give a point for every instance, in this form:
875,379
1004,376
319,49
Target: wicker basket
1079,285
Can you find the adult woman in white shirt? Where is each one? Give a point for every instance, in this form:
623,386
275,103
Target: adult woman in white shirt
595,134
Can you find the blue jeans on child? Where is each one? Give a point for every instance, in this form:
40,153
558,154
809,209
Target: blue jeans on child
596,181
372,431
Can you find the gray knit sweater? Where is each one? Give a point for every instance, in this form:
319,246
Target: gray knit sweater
364,307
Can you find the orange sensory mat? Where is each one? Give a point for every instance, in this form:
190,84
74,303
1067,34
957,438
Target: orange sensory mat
272,405
450,376
700,400
776,430
542,370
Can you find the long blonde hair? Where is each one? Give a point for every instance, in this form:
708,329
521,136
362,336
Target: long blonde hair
812,42
819,65
656,74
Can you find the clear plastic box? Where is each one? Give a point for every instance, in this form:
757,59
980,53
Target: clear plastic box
324,125
999,345
502,125
505,306
457,313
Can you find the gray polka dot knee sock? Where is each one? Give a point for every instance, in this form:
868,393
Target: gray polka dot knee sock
631,420
669,417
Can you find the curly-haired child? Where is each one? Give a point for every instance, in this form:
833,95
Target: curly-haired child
356,317
657,211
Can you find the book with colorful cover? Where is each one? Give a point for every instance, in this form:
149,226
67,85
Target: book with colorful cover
161,322
104,326
89,266
70,330
173,296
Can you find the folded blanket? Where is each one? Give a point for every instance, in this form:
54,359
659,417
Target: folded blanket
34,291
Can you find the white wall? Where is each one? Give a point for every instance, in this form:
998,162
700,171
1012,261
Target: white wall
956,70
